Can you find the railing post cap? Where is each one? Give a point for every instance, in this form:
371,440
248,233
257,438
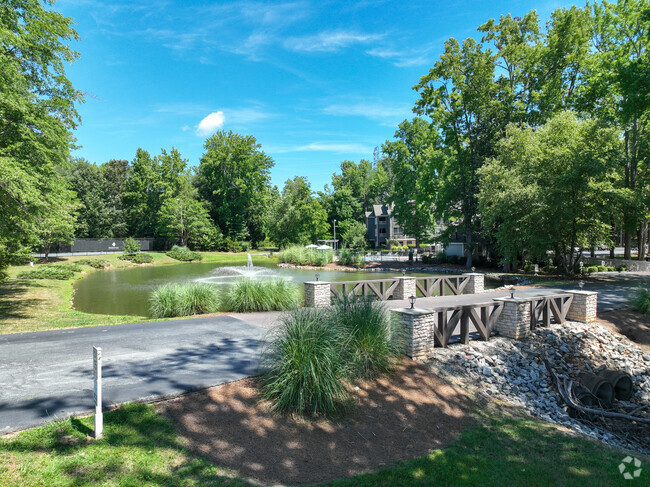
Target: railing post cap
316,282
472,274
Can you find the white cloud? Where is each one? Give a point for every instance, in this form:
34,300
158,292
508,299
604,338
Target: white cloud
372,110
328,147
209,124
329,41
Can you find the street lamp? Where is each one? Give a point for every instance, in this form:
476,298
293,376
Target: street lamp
317,276
512,292
412,301
335,234
581,285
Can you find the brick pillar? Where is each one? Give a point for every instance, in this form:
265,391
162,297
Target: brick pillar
405,288
514,321
317,294
583,307
418,331
476,283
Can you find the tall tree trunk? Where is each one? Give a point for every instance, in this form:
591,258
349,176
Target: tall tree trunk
642,239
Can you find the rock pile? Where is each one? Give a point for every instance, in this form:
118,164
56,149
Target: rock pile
514,371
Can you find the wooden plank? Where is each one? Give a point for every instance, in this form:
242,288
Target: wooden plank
464,326
391,289
376,291
494,315
476,319
337,294
555,310
463,284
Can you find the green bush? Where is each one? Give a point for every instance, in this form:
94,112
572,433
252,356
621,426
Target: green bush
641,300
95,263
621,268
49,272
347,257
611,268
131,246
550,269
184,254
248,295
142,259
602,268
590,269
529,268
299,255
374,339
304,371
186,299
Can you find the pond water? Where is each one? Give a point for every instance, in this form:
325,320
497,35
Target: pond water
126,291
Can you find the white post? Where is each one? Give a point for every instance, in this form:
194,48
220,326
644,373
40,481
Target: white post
97,391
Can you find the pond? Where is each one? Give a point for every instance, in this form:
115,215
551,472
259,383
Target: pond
126,291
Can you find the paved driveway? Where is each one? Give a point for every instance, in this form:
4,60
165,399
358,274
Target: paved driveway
48,374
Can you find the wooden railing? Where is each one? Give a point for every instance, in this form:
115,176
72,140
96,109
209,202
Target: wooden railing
438,285
482,315
380,288
543,307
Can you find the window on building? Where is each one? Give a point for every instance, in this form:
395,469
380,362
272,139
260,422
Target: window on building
382,219
382,231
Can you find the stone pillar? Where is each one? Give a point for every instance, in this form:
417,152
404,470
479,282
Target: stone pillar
317,294
583,307
514,321
475,284
405,288
418,331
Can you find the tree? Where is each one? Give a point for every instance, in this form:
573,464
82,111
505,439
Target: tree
549,189
233,177
184,219
57,225
299,217
142,196
37,115
412,161
353,234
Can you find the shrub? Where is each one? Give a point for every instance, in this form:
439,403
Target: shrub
184,254
347,257
602,268
590,269
248,295
299,255
641,300
529,268
142,259
550,269
374,339
304,371
187,299
95,263
359,261
611,268
48,272
131,246
621,268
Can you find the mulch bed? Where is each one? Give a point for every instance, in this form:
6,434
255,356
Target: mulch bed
405,415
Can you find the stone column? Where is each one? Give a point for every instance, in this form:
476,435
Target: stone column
475,284
317,294
583,307
405,288
514,321
418,331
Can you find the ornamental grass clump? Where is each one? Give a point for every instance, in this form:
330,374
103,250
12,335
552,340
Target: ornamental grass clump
249,295
170,300
299,255
59,272
304,370
374,338
641,300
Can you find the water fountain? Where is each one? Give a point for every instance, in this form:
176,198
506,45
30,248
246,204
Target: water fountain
224,275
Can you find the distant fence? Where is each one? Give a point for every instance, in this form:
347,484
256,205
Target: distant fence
85,246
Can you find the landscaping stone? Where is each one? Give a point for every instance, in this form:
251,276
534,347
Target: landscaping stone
514,371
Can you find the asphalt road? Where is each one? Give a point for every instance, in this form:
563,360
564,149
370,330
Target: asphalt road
49,374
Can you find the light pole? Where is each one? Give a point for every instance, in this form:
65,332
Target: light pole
334,234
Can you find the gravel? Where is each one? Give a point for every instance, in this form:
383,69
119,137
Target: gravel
514,371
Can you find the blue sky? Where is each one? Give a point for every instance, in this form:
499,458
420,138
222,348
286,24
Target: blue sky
315,82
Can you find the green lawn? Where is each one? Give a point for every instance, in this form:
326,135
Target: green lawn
35,305
140,448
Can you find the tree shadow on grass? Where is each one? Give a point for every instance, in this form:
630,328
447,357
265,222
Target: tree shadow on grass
12,305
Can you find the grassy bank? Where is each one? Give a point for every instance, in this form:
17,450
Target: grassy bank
141,448
34,305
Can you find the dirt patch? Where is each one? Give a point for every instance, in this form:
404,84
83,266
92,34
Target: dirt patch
630,323
405,415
